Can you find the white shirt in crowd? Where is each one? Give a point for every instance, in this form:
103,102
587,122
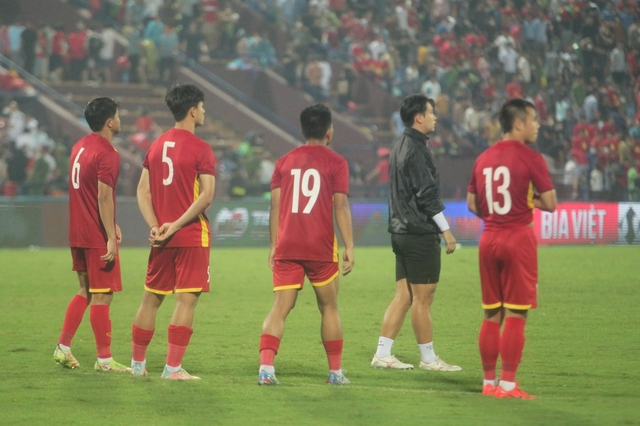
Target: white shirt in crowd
108,44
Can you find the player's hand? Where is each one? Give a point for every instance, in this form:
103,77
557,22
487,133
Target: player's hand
163,234
450,240
118,234
347,261
112,249
272,255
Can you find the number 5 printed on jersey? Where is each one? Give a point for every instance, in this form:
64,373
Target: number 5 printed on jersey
311,192
166,159
489,178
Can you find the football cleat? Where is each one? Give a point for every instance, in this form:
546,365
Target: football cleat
335,379
391,362
489,389
439,365
65,358
137,369
111,365
265,378
178,375
513,393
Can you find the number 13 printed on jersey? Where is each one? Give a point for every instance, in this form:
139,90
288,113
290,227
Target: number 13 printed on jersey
489,178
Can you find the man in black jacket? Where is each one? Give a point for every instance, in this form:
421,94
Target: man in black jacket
415,223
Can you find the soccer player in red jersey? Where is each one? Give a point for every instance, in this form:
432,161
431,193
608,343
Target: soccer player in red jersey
175,189
93,233
509,179
309,186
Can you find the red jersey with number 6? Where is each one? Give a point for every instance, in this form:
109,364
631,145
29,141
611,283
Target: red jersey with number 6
504,178
175,160
308,177
93,159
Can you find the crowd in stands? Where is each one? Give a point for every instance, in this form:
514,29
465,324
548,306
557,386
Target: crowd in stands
31,162
578,61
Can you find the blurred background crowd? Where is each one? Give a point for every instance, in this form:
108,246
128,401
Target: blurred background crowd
577,61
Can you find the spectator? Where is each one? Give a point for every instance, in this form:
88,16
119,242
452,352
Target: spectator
78,53
193,42
167,49
59,49
107,52
28,41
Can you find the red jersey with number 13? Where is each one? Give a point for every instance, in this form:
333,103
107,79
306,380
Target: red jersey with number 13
503,179
175,160
308,177
93,159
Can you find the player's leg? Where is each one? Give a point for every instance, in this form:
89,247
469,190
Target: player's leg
489,345
422,260
489,336
272,331
179,335
192,279
74,313
104,280
395,314
288,278
520,278
324,277
142,331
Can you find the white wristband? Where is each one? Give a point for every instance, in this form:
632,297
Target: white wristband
441,221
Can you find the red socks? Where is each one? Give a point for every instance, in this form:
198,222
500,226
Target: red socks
101,325
140,342
179,337
489,343
72,319
334,353
511,345
268,348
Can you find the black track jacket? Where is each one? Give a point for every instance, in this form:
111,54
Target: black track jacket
414,194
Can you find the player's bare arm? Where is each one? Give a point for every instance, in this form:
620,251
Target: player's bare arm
472,204
546,201
274,220
145,204
106,208
202,203
450,240
342,213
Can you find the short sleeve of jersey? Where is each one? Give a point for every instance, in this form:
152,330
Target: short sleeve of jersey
109,167
540,175
276,178
341,178
206,161
145,163
471,188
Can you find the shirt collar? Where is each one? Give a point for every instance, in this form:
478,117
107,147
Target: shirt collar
415,134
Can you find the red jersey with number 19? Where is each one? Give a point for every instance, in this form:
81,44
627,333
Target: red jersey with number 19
308,177
503,179
175,160
93,159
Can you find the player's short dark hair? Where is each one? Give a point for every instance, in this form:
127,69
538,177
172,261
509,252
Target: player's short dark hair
98,111
180,98
315,121
512,110
413,105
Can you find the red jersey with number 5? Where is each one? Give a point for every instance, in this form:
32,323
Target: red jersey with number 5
175,160
308,177
504,178
93,159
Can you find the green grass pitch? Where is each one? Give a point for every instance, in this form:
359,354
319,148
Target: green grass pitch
580,359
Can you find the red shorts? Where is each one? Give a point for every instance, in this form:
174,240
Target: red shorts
178,270
289,274
509,268
103,277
